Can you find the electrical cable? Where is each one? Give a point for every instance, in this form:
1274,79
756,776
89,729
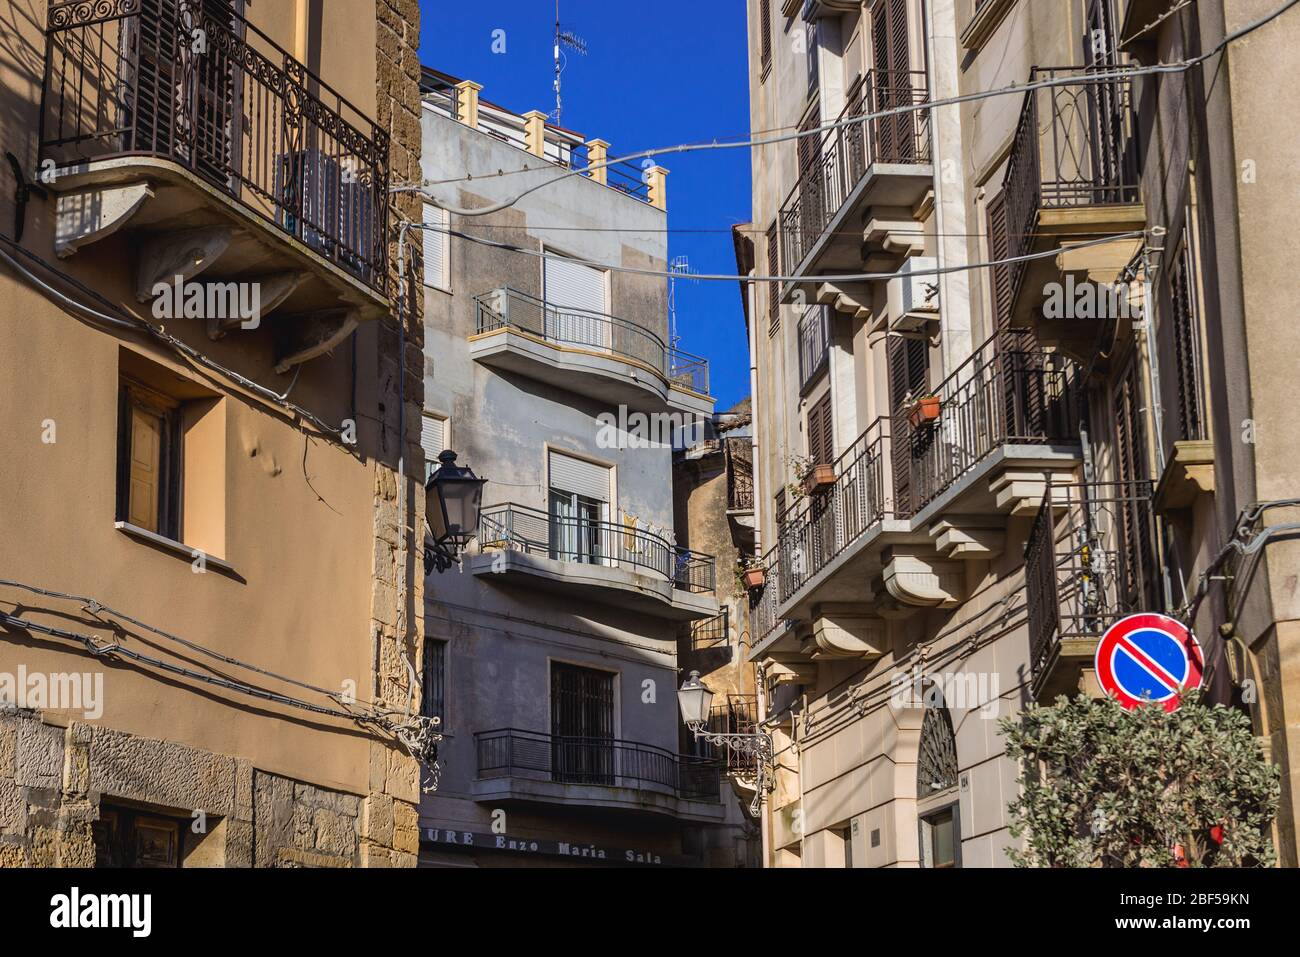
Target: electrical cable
1100,76
717,277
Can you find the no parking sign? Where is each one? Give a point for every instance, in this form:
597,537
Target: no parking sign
1148,658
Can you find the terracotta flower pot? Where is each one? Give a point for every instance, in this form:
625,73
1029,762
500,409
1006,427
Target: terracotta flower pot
926,410
819,478
754,577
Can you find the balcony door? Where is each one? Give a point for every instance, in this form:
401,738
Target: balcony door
187,90
909,374
577,303
1108,135
579,509
582,725
892,81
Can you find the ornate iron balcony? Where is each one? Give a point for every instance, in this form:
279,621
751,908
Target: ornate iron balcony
208,91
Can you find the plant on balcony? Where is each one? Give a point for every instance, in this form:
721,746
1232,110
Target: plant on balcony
924,411
1106,787
810,477
752,574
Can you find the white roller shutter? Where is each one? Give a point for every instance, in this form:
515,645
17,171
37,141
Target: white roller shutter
435,247
577,302
433,439
576,476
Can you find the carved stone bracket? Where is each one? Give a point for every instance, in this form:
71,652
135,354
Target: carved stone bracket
164,256
916,579
969,536
93,214
845,631
304,337
273,290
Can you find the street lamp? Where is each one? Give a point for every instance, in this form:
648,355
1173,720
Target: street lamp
453,497
695,699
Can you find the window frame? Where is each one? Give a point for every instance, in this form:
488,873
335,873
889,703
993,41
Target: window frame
132,396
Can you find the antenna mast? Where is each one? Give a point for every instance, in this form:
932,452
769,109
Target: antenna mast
564,38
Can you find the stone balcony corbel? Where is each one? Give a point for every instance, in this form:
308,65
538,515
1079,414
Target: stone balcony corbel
914,577
304,337
273,290
1020,491
785,671
969,537
87,216
895,231
1101,263
1188,475
851,299
185,254
846,631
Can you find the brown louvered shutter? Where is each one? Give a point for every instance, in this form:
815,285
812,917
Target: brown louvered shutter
812,215
1137,557
892,80
908,361
999,249
773,288
765,34
821,433
1187,359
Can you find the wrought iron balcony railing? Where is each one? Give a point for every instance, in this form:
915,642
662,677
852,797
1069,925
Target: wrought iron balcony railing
595,761
1076,146
847,153
739,454
208,91
824,524
573,538
764,604
1007,393
712,632
593,331
1091,558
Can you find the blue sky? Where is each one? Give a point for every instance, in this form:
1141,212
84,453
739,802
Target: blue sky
654,75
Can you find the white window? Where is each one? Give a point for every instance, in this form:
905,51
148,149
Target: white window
577,300
434,438
579,510
436,245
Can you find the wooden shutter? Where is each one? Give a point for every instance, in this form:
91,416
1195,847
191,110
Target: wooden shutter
146,478
821,432
765,35
436,243
999,248
773,288
908,361
579,477
812,185
1137,558
1187,358
155,42
148,461
892,80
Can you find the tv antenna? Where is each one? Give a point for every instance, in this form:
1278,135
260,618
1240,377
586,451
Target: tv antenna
564,39
680,266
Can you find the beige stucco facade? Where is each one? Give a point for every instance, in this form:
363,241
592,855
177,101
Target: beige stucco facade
980,440
291,569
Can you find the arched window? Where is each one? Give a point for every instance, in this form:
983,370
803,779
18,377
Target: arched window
936,766
937,805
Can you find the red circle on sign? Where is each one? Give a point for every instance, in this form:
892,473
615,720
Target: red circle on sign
1148,659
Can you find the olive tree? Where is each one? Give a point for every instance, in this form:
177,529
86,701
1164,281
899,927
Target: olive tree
1105,786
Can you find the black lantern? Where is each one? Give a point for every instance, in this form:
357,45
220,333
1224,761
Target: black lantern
453,497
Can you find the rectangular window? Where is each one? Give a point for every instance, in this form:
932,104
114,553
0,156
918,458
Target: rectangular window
149,460
437,271
941,839
433,703
577,303
814,344
582,725
579,510
435,438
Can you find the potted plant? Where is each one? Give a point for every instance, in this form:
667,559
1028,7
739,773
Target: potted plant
924,411
753,576
818,478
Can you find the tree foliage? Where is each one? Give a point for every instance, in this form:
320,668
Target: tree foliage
1104,786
